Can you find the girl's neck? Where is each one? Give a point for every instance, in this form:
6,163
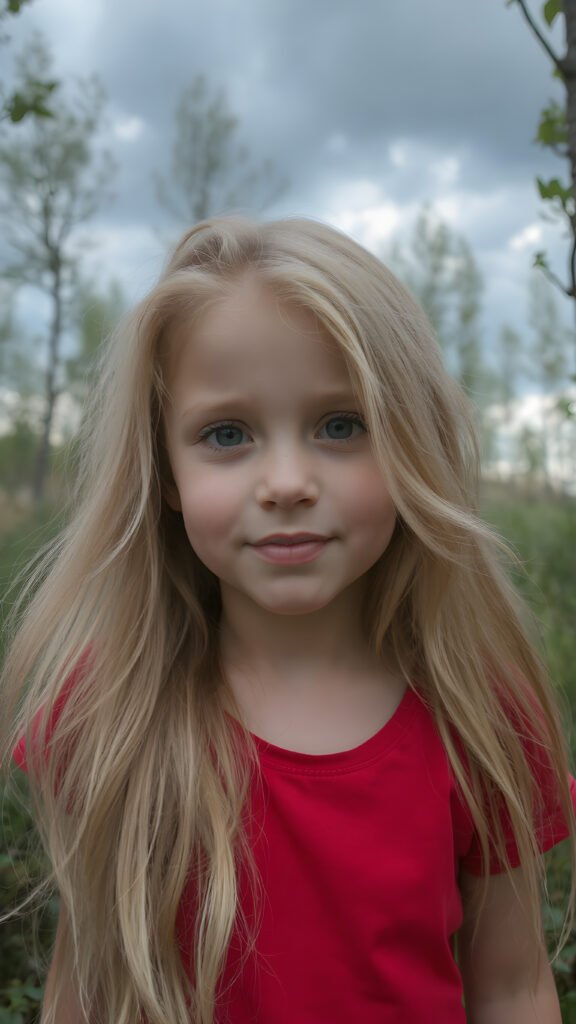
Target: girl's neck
281,648
309,682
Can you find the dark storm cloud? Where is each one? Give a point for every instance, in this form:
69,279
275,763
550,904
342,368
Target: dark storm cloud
344,97
456,76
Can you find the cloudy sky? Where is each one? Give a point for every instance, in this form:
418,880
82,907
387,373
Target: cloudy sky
369,108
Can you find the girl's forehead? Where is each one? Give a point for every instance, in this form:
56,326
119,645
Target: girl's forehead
253,304
250,322
255,346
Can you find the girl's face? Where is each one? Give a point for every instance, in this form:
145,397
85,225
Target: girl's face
265,438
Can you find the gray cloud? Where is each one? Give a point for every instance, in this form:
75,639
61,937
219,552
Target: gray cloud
331,92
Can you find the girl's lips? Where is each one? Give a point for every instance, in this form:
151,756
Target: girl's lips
290,553
290,538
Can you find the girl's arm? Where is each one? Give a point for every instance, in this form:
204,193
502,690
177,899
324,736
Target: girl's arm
506,974
66,1008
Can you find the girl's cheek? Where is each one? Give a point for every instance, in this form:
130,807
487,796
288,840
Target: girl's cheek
366,490
210,505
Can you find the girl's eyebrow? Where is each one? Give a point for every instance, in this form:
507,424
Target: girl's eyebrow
214,406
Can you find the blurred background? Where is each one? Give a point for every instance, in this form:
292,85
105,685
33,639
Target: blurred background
434,134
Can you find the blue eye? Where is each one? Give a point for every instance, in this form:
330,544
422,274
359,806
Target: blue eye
226,435
344,427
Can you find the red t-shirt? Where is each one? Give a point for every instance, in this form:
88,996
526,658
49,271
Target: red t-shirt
358,853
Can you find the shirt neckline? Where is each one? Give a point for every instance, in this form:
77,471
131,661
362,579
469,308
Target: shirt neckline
372,749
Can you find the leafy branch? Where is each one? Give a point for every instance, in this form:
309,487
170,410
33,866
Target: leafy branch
34,95
557,130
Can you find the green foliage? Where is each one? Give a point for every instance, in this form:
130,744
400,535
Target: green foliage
558,878
33,96
26,940
552,130
53,177
33,101
23,1001
94,315
18,450
544,536
540,260
13,6
556,191
551,9
567,406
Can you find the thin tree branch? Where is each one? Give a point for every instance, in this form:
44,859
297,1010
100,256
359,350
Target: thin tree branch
541,38
555,280
573,261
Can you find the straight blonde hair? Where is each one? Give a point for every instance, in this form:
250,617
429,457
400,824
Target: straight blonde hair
139,778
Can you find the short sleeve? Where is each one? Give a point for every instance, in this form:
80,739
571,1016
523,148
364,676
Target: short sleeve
549,817
39,737
551,829
19,752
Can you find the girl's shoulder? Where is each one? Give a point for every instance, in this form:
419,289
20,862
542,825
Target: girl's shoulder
34,744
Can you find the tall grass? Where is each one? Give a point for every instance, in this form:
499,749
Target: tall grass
25,942
543,534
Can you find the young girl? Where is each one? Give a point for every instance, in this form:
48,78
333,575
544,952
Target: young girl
292,755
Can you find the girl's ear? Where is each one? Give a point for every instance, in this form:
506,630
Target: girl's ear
168,486
172,495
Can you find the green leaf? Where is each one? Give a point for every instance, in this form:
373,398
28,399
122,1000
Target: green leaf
553,189
33,101
567,409
14,6
539,260
551,9
552,917
33,992
552,130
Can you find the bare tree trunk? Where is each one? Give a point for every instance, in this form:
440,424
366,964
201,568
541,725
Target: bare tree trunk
50,388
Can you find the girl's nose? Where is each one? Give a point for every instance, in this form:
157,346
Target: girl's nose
287,478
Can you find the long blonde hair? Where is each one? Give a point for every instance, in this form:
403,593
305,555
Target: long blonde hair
139,778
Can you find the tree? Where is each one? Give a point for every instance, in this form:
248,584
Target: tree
20,382
52,179
94,315
424,266
557,129
547,352
533,455
547,355
33,94
439,268
510,352
467,287
210,168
